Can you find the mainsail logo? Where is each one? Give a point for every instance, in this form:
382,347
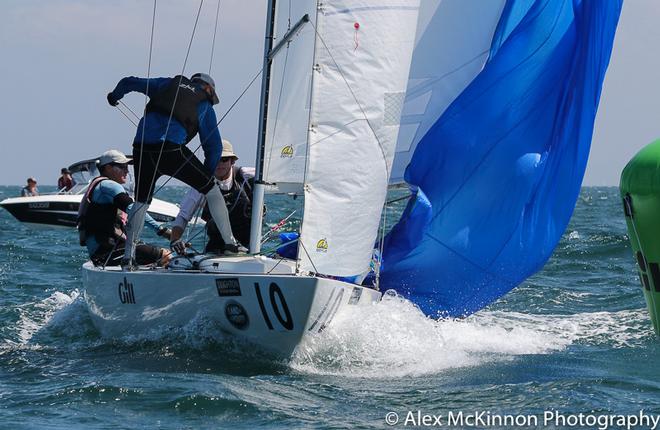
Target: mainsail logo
287,152
322,245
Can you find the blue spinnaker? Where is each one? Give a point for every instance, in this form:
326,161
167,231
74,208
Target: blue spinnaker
497,176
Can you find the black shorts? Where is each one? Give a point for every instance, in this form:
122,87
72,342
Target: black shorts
144,254
176,160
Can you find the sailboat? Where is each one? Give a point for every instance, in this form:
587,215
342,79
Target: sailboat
360,96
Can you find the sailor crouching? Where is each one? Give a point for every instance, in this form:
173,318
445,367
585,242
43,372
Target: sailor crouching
235,184
103,212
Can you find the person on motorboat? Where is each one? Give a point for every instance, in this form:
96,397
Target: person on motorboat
103,212
236,185
179,108
30,190
65,182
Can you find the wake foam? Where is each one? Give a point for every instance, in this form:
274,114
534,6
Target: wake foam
59,312
390,338
394,338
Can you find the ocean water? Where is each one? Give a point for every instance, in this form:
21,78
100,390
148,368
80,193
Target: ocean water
574,339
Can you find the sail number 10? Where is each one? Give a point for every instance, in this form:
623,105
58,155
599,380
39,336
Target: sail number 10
277,303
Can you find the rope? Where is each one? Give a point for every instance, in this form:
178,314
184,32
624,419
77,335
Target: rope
215,30
399,199
278,226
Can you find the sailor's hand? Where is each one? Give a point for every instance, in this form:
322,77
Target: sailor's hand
164,232
178,246
112,100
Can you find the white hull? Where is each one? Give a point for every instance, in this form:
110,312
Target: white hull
276,311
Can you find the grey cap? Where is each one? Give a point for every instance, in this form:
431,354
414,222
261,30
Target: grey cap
203,77
113,156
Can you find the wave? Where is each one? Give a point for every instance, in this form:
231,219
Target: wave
390,338
393,338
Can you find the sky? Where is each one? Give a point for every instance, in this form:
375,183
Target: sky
59,59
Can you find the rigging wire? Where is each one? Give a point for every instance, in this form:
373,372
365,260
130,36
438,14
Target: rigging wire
137,117
146,96
215,30
176,94
127,117
204,141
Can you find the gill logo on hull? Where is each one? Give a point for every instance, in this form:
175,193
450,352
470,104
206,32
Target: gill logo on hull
126,293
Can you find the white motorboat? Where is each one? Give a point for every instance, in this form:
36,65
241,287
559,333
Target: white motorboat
61,208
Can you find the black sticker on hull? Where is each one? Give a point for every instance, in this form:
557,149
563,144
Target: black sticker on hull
228,287
237,315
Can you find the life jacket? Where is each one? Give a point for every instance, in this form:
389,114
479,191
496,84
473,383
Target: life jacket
102,220
239,205
189,96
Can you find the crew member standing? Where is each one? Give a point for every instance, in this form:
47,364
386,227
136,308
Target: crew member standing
179,108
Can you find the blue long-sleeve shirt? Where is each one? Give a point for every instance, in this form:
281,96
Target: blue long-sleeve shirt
155,126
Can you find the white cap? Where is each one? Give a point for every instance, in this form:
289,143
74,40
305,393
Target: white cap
113,156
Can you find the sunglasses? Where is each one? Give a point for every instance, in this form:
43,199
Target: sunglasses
225,159
121,166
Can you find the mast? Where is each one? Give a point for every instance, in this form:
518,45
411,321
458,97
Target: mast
258,195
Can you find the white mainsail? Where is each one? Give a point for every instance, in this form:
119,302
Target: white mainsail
361,62
448,55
